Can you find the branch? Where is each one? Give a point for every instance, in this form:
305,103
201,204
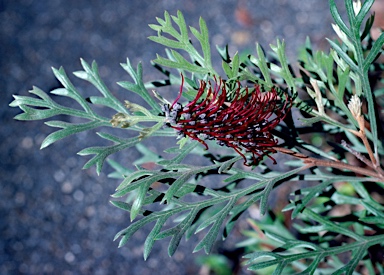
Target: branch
329,163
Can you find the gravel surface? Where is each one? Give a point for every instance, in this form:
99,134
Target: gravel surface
56,218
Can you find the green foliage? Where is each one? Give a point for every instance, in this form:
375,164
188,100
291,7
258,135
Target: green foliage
199,64
215,263
198,191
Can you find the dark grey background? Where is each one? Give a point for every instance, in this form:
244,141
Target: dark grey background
55,217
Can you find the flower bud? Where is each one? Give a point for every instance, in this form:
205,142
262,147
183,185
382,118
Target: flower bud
354,106
356,6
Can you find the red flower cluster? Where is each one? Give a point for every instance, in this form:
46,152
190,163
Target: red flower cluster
244,123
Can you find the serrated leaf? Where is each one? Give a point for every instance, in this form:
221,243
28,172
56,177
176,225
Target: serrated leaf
232,71
128,185
34,114
366,6
203,38
371,207
262,64
68,129
176,238
176,186
138,85
299,206
26,100
166,42
209,239
228,164
70,89
343,78
269,186
181,63
373,220
150,240
182,153
91,74
137,175
126,233
375,51
344,56
180,40
138,202
101,153
310,121
339,21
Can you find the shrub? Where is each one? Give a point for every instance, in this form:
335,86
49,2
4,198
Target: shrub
241,134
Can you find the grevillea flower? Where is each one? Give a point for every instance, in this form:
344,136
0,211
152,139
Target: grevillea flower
243,123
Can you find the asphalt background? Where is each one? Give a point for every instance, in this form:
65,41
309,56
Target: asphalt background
56,217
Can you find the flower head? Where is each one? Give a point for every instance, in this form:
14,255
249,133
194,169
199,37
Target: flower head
354,105
244,123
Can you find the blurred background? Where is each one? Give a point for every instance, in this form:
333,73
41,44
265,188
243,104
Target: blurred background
56,217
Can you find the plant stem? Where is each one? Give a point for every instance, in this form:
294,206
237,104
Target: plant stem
361,134
366,144
310,161
358,155
362,72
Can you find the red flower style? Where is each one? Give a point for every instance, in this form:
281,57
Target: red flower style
244,123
